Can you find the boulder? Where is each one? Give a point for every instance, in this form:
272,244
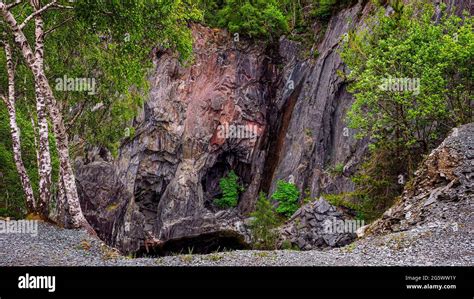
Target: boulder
108,207
315,225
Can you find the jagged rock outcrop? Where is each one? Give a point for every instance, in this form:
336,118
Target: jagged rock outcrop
442,192
318,225
312,135
168,172
172,164
109,207
181,149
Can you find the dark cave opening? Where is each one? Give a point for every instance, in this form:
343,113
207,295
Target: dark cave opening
225,163
148,191
210,182
202,244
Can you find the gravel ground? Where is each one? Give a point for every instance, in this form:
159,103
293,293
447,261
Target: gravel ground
435,244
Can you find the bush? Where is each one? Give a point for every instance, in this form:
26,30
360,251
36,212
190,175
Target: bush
362,205
230,191
254,18
405,120
377,181
337,169
287,196
411,78
264,223
272,18
325,8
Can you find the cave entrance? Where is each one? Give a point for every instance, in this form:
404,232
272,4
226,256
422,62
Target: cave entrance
210,181
225,163
148,191
202,244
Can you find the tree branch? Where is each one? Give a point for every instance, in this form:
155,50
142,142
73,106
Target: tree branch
63,6
74,118
57,26
12,5
39,11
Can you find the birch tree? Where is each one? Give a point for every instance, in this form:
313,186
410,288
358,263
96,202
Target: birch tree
9,101
110,41
44,155
44,89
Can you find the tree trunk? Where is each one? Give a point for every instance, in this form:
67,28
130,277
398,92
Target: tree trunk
70,189
35,133
61,207
44,156
15,133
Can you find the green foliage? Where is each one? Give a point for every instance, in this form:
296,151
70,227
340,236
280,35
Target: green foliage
112,42
287,245
414,120
109,41
404,125
271,18
137,18
230,188
364,207
12,199
253,18
301,15
287,196
263,226
324,9
377,181
337,169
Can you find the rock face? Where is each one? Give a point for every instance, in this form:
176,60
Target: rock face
109,207
442,192
185,139
311,136
317,225
288,115
264,112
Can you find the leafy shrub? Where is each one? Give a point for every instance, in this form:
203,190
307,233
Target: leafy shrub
272,18
377,181
404,124
14,213
324,9
362,205
287,245
254,18
437,58
287,196
264,223
337,169
12,198
230,188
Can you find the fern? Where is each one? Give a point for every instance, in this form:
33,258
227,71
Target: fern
231,189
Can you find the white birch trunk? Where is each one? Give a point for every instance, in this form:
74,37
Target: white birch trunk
74,207
44,156
61,205
15,133
35,133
